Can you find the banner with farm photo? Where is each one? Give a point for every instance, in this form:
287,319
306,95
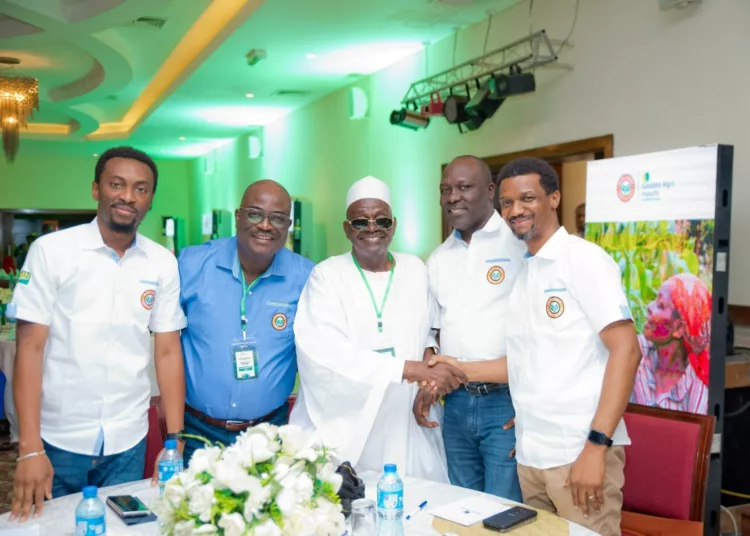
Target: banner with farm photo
654,214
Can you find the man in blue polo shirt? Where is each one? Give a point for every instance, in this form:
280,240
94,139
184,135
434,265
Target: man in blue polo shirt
240,295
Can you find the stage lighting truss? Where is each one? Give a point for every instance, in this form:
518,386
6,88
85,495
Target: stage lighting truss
428,97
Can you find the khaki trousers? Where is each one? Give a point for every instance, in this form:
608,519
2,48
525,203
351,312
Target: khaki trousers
545,489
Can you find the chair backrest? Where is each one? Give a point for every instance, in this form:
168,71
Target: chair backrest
292,399
157,433
666,465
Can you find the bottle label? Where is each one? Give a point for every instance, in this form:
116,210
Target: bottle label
391,500
90,526
168,468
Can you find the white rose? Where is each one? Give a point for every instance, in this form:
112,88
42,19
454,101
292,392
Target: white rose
271,431
188,482
268,528
257,497
204,460
328,474
329,520
293,439
206,529
174,493
184,528
201,502
256,448
233,524
297,489
227,469
301,522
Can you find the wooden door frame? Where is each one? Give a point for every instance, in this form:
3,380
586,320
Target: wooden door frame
600,146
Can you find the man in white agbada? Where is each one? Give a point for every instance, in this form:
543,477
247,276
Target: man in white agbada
361,329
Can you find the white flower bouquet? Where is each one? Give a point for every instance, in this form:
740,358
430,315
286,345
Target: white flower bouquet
273,481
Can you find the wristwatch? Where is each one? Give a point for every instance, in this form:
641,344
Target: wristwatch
435,350
176,435
598,438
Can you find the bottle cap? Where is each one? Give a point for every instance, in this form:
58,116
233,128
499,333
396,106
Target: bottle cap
170,444
89,492
390,468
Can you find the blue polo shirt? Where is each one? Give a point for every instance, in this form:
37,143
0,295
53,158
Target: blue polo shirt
211,291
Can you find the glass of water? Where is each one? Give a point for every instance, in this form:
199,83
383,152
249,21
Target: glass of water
364,518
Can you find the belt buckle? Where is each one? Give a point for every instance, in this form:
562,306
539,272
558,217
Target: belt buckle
230,422
483,389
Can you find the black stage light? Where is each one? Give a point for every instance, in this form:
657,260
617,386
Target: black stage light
454,109
407,119
505,85
482,104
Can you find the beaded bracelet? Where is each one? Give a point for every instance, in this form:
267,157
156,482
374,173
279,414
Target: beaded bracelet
30,455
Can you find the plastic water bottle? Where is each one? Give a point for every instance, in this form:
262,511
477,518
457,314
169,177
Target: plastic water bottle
90,514
170,463
390,503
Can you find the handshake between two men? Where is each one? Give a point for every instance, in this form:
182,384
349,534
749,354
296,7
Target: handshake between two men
440,375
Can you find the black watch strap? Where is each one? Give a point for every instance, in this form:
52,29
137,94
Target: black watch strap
598,438
176,435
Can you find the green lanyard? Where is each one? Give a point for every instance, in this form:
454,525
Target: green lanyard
378,311
245,289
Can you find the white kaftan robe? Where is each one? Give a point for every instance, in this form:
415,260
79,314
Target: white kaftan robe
351,394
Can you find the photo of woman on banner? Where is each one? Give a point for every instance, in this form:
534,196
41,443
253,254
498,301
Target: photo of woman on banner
675,344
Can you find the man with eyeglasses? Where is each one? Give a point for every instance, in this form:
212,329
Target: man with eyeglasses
240,295
362,327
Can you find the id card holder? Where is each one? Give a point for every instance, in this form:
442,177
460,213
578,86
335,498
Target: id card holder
389,350
245,359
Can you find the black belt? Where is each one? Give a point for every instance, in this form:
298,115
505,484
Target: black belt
483,389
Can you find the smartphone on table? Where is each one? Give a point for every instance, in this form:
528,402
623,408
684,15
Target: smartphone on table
510,519
127,506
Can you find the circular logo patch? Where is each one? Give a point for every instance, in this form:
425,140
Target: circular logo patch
555,307
147,299
495,275
625,188
279,321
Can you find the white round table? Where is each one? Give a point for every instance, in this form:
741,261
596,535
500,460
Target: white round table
58,517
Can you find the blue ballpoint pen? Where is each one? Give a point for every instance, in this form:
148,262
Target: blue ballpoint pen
418,509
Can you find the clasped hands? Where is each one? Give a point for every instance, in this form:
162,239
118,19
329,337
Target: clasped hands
440,376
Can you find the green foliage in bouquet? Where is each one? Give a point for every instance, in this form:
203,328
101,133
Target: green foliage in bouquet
649,253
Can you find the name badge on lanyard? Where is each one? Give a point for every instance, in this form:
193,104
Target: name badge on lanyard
245,358
378,310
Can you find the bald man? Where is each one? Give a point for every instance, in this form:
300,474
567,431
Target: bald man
471,275
240,295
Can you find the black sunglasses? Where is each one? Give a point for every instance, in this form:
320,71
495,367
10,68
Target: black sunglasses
360,224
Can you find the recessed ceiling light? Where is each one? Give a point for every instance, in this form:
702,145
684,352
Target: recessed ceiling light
249,95
95,155
310,56
182,138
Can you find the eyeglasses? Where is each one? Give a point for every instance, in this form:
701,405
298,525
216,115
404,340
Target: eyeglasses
255,216
360,224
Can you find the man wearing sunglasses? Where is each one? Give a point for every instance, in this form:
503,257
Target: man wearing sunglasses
240,295
362,326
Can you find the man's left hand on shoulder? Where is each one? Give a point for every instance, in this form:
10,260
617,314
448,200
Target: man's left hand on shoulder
586,479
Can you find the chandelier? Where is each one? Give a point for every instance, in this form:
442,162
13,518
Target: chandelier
19,97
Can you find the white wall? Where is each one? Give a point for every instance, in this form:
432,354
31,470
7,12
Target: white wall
656,80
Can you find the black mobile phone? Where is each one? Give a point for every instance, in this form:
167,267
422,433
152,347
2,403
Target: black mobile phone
510,519
127,506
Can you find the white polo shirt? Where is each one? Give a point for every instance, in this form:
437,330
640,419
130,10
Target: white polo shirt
563,298
470,285
99,312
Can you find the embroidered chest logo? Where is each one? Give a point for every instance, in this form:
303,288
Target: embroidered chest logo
148,298
279,321
24,278
495,275
555,307
625,188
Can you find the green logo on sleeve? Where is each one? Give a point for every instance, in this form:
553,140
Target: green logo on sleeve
24,278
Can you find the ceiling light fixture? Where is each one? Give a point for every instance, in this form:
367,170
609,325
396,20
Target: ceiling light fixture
182,138
249,95
19,97
310,56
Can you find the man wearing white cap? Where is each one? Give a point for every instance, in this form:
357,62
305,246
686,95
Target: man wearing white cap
362,325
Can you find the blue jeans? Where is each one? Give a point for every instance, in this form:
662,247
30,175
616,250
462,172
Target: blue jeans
75,471
195,426
477,447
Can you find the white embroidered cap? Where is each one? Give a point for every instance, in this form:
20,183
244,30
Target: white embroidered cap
368,188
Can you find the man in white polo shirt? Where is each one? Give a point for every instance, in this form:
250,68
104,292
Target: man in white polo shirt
572,354
471,275
85,303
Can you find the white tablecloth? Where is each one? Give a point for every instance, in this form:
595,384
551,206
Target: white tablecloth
58,517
